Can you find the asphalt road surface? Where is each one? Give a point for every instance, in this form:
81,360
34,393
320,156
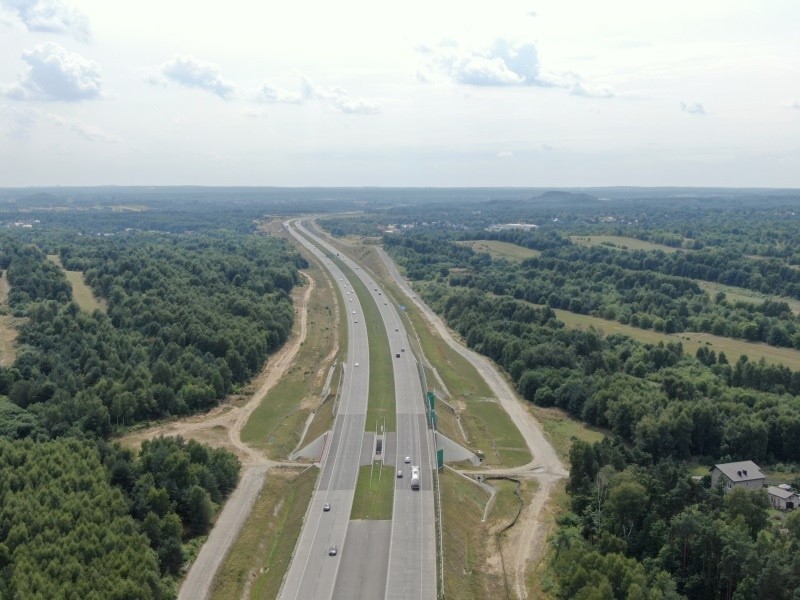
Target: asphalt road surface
313,571
408,569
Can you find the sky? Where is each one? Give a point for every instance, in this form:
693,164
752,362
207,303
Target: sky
560,93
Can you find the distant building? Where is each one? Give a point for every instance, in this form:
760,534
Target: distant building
508,226
783,497
745,474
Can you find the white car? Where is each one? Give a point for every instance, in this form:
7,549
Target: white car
408,458
399,473
326,507
332,551
356,364
354,312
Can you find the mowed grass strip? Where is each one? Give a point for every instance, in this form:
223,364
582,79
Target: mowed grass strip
466,573
497,249
374,493
277,423
484,421
81,293
381,403
691,341
261,555
621,243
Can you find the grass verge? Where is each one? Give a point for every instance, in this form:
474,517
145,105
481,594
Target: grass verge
466,573
261,555
374,493
277,423
486,425
561,430
542,580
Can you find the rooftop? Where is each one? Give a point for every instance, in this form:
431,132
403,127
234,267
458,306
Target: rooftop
780,493
745,470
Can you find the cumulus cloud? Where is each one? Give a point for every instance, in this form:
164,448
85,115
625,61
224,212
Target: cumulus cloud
194,73
56,74
505,154
51,16
693,108
274,95
339,100
505,64
795,105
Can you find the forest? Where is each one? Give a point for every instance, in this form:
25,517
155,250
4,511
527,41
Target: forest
194,304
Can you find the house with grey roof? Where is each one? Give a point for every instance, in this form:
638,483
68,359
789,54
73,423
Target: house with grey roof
783,497
744,474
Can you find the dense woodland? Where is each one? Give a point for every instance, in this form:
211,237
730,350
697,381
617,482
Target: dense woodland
195,302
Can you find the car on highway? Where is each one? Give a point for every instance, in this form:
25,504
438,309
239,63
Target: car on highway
400,473
356,320
402,349
397,329
408,458
326,507
332,551
354,312
397,355
356,364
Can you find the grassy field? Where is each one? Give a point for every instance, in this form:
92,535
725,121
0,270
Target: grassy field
276,425
737,294
560,430
733,348
466,575
81,293
620,242
498,249
374,493
9,326
258,560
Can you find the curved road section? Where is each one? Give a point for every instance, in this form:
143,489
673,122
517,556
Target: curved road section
412,546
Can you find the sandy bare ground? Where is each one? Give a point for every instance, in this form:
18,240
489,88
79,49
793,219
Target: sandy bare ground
525,542
222,426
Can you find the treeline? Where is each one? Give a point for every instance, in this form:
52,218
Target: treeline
189,318
655,397
598,281
643,529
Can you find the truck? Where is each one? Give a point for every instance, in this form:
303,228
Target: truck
414,478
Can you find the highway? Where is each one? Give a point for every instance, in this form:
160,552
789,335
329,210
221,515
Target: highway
313,572
404,565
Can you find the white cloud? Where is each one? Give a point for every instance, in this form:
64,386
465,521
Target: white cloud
194,73
52,16
694,108
505,64
271,94
56,74
339,100
505,154
25,118
795,105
